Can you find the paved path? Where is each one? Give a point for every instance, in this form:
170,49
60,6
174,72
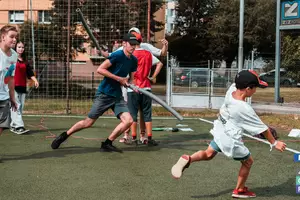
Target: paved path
267,108
277,108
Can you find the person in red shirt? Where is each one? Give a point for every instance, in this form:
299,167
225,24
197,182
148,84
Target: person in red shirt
22,72
140,101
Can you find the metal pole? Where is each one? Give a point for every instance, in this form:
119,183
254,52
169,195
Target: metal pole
169,81
252,59
148,21
277,56
68,109
241,37
32,36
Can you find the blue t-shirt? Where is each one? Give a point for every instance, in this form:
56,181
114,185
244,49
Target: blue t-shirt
121,66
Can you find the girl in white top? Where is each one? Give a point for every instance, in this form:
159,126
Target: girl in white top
235,117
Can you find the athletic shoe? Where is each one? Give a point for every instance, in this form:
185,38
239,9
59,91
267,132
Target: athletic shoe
152,143
58,140
180,166
109,148
243,193
143,140
19,131
126,140
12,129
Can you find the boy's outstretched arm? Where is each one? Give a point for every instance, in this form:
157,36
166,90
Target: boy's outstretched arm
279,145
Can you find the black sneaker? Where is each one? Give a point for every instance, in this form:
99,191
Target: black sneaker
58,140
109,148
152,143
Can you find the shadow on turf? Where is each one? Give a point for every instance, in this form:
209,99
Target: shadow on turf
173,141
167,141
284,189
55,154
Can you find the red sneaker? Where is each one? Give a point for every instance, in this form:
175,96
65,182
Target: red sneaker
243,193
180,166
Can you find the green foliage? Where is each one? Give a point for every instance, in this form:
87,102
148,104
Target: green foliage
290,56
109,20
189,41
215,27
48,41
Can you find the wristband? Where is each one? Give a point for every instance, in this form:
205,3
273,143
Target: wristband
273,145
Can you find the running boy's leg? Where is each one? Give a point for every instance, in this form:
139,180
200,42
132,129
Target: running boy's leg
126,121
244,172
101,104
86,123
241,191
121,111
185,160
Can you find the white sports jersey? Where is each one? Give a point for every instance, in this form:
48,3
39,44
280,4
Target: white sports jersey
7,65
149,47
235,117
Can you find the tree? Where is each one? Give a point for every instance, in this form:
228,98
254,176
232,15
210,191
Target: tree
218,31
189,40
259,29
291,54
109,20
47,42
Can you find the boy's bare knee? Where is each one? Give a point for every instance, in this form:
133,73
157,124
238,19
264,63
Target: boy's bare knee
129,121
248,163
87,123
210,154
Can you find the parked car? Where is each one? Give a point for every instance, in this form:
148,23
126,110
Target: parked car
200,78
285,80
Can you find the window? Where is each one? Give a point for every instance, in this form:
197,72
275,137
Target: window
172,26
44,17
16,17
172,12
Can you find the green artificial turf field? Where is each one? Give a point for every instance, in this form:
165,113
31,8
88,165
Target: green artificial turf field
30,169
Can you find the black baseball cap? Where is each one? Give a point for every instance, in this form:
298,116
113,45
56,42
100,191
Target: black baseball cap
131,39
249,78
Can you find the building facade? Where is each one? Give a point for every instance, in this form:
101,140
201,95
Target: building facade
170,16
18,11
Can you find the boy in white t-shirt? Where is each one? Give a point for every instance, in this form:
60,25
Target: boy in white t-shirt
8,59
235,117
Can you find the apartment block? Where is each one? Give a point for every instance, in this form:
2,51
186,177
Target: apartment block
18,11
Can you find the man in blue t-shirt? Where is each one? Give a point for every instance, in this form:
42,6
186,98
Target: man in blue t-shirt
109,95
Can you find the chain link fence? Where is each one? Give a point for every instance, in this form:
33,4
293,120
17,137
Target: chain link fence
60,51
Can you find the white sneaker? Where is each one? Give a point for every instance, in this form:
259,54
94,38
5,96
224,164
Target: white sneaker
144,140
20,130
126,140
12,129
180,166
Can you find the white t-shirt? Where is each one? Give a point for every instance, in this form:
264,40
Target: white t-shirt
7,65
236,117
149,47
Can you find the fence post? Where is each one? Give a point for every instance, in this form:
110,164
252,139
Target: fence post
210,86
169,81
68,109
